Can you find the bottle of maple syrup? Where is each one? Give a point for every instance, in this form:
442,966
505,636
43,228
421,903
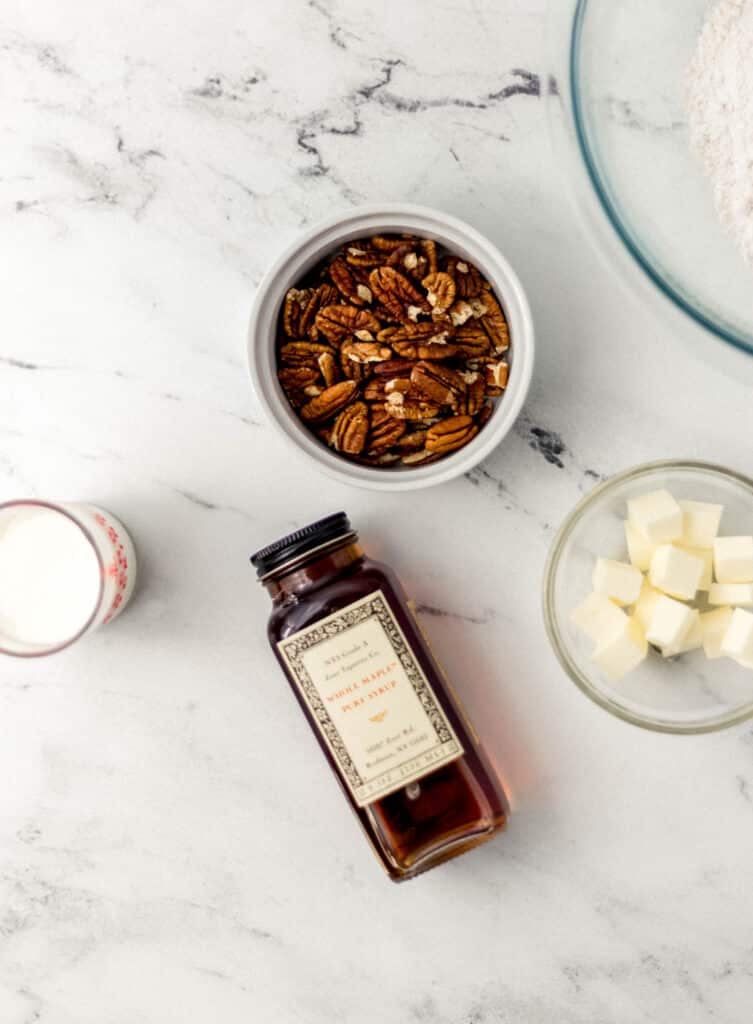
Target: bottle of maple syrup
408,761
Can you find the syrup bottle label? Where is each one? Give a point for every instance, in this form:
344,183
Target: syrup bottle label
370,699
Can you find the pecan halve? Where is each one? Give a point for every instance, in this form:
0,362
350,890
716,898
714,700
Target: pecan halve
387,243
429,247
367,352
360,257
322,296
351,429
346,283
411,350
468,279
337,321
450,434
494,323
475,393
295,300
421,333
440,291
303,353
394,368
329,403
385,431
295,378
472,340
395,291
397,406
438,383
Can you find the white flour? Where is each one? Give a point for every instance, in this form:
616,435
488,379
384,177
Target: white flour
720,105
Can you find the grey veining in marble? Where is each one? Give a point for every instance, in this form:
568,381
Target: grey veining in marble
172,848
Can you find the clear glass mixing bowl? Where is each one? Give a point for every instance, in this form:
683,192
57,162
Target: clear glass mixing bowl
620,83
687,694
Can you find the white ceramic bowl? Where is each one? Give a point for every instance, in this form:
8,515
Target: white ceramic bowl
310,249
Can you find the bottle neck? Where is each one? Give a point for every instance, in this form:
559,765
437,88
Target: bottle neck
320,569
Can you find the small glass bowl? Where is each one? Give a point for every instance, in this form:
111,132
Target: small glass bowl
686,694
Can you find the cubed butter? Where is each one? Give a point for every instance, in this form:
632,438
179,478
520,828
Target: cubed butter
599,617
618,580
737,642
700,523
676,571
713,627
738,594
733,559
622,652
656,516
644,606
691,640
706,555
640,550
670,623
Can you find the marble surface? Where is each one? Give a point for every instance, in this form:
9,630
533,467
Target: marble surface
172,847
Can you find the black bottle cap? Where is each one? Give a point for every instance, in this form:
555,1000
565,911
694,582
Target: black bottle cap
295,545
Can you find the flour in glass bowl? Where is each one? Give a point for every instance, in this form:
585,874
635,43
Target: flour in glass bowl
720,107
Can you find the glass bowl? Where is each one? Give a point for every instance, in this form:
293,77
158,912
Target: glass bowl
686,694
620,83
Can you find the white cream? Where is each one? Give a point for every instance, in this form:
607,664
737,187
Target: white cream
49,577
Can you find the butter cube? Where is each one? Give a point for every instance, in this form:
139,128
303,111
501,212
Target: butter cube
618,580
670,623
691,639
676,571
656,516
733,559
700,523
639,549
599,617
706,555
737,642
738,594
713,627
644,606
622,652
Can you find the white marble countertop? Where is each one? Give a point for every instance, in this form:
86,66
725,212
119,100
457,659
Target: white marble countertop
173,849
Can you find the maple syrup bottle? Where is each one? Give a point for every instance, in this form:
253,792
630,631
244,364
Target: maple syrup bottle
407,759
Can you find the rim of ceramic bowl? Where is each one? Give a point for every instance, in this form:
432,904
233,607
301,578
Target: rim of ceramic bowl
722,721
304,252
661,279
46,650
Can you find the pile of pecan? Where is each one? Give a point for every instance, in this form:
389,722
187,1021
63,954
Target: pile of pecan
393,351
